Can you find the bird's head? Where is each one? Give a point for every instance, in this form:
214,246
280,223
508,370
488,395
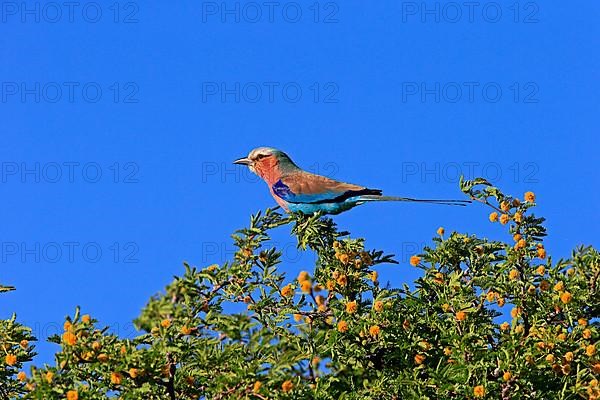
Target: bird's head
267,162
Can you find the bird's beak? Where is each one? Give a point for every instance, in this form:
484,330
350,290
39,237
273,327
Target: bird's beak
242,161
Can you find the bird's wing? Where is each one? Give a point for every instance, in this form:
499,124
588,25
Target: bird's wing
304,187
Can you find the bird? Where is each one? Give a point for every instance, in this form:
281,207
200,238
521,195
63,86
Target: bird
299,191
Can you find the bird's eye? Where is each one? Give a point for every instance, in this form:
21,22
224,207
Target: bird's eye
260,156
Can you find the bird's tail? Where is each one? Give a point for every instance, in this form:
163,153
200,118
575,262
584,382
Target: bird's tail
430,201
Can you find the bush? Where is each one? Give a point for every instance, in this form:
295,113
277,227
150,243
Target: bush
487,319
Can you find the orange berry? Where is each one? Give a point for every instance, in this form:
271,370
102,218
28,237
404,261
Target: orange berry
287,386
10,359
493,217
440,231
22,376
342,280
420,359
513,274
24,343
116,378
415,260
287,291
86,319
587,334
303,276
541,253
306,286
351,307
342,326
505,206
529,197
378,306
590,350
185,330
518,217
69,338
566,297
479,391
165,323
72,395
461,316
506,376
257,386
504,218
374,330
515,312
521,244
504,326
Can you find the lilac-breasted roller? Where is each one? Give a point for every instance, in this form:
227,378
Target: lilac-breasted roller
299,191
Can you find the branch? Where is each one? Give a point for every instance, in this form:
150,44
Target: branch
171,383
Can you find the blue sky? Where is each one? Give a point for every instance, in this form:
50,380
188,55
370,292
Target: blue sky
119,124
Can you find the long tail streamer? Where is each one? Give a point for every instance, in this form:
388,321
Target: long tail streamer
430,201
